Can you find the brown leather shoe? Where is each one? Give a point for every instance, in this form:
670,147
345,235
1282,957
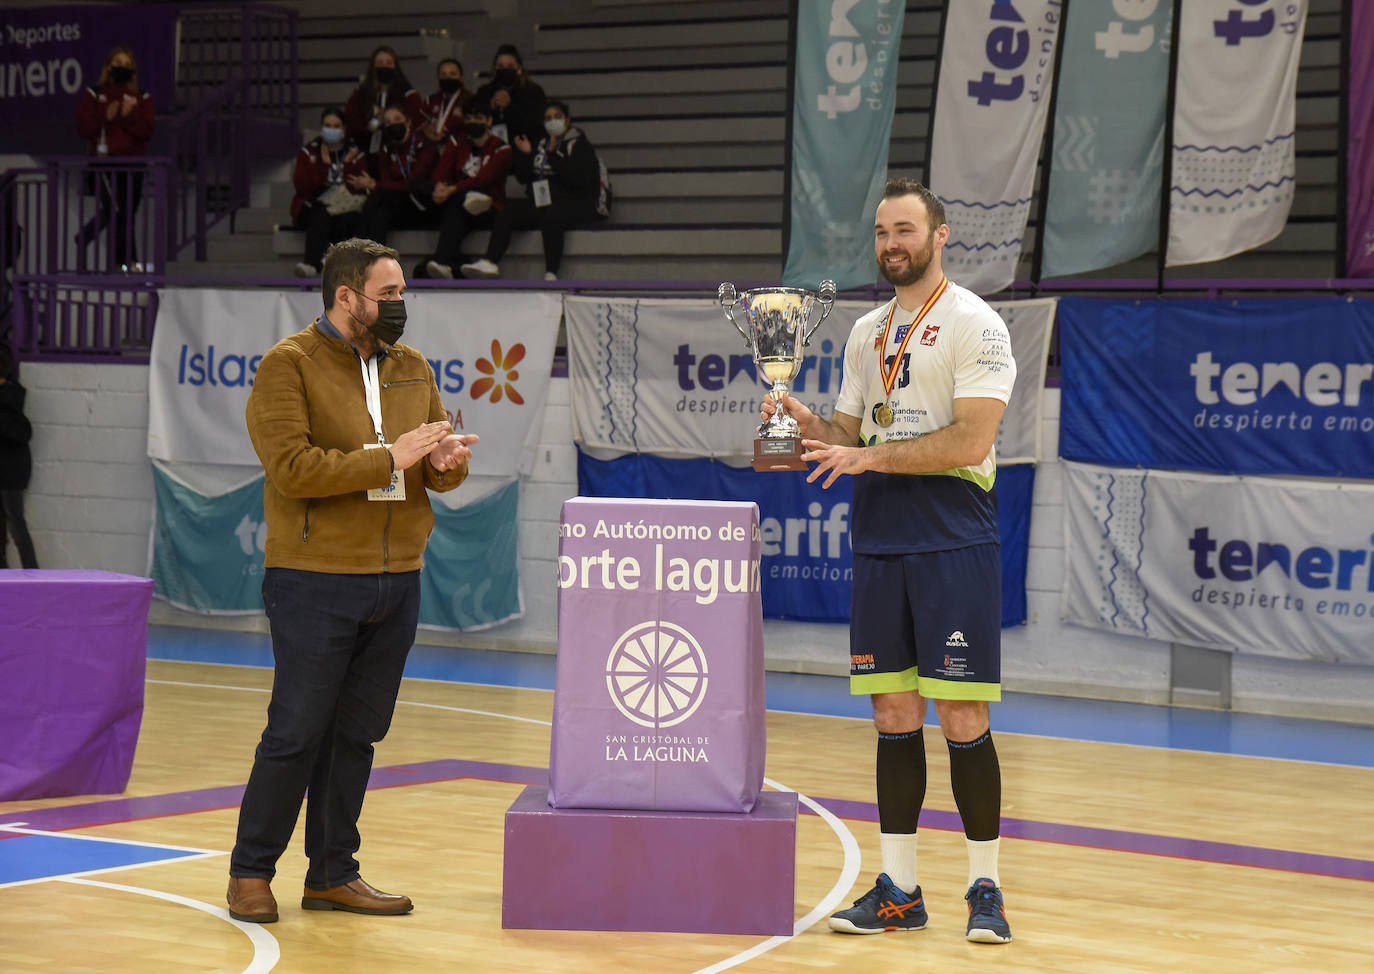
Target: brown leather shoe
356,897
251,900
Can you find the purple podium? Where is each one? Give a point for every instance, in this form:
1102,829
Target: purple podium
73,646
657,751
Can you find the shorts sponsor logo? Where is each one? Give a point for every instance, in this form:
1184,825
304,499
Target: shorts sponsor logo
862,661
956,640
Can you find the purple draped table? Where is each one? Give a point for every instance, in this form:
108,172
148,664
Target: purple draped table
73,646
659,693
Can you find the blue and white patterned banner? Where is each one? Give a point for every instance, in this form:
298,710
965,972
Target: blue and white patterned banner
1234,122
1105,175
993,96
1262,387
844,96
1280,568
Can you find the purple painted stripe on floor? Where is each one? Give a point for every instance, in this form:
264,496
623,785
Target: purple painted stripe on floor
1140,842
178,803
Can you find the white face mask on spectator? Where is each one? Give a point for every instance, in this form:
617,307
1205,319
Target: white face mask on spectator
555,126
332,135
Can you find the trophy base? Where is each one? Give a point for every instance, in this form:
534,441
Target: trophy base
778,453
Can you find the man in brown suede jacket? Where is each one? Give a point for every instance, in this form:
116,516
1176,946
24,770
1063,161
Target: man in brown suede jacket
350,430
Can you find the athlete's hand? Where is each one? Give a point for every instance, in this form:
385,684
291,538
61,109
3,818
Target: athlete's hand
833,460
791,407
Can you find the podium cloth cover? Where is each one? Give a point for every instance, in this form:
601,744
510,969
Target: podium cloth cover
73,646
659,693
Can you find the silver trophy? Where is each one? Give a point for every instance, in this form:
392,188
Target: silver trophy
777,333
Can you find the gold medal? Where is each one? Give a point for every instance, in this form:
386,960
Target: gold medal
882,415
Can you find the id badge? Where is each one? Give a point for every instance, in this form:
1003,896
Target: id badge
540,190
396,490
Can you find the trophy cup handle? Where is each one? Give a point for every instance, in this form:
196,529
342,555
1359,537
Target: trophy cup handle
826,295
728,298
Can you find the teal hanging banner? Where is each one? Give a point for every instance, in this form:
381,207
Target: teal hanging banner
470,579
1103,204
844,94
207,551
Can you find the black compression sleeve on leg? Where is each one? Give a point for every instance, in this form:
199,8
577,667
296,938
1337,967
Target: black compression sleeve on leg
901,781
976,778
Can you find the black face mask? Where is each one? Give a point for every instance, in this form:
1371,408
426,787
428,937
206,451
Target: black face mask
507,78
121,76
385,75
476,130
394,133
391,320
449,85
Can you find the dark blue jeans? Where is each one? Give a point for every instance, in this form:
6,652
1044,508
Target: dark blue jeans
340,643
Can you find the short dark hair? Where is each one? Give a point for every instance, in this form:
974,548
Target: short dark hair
347,263
331,110
510,49
559,104
450,60
902,186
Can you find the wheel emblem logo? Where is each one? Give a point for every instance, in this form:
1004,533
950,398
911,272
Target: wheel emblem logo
656,674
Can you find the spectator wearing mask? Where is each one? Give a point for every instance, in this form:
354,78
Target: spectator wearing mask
383,86
443,111
517,103
16,463
401,192
470,186
567,187
325,206
116,118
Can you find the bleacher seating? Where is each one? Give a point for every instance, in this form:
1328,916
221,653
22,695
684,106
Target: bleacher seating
686,103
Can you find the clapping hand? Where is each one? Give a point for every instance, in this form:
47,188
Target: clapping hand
453,451
522,143
443,191
418,443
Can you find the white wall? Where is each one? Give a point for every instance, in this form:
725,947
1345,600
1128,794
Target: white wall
90,506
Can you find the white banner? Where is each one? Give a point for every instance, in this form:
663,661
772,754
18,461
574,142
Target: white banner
491,354
1234,119
673,378
993,95
1275,567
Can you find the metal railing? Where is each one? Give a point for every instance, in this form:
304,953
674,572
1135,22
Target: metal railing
257,41
210,153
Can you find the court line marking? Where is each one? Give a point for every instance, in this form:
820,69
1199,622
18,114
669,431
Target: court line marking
266,950
849,871
15,827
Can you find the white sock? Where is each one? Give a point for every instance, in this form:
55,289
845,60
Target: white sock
899,859
982,860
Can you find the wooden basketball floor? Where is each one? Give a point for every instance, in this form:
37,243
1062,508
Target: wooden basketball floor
1135,839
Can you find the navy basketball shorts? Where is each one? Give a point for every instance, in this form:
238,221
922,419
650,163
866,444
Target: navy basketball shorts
929,622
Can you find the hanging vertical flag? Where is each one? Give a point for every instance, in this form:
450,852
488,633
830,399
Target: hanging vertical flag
993,94
1105,173
844,94
1359,232
1234,122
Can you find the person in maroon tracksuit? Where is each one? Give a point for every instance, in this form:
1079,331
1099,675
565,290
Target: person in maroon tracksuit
325,206
400,191
442,113
383,85
116,118
469,186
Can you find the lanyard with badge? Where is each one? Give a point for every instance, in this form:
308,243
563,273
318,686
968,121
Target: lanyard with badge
372,388
883,413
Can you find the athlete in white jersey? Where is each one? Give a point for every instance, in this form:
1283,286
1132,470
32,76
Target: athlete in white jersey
926,379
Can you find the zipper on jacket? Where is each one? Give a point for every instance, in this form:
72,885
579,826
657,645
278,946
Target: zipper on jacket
401,382
305,531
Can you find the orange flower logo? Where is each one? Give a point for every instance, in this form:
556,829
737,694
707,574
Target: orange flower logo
499,374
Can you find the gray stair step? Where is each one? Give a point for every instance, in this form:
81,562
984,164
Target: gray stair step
606,242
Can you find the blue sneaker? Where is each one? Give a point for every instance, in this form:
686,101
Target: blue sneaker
883,908
987,918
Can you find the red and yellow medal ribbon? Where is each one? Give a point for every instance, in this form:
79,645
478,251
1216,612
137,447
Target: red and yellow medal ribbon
890,377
